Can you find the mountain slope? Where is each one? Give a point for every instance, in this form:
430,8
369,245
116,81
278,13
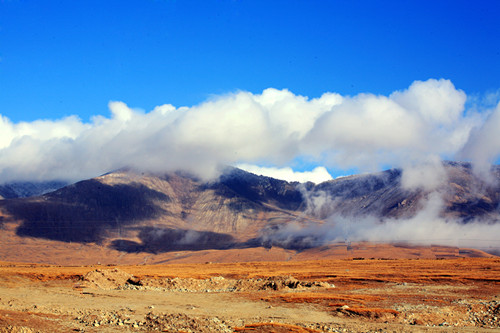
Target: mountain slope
465,196
150,213
132,212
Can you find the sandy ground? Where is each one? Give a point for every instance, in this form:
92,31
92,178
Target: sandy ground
451,295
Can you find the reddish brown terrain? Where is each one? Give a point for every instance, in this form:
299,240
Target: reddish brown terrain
342,295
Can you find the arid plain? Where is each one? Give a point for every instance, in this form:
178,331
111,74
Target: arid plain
355,294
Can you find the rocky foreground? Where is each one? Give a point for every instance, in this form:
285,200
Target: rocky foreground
448,295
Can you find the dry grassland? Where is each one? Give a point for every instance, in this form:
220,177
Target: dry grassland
448,295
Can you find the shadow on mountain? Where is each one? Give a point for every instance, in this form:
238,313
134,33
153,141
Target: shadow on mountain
83,212
470,210
258,189
273,237
157,240
359,186
379,194
297,242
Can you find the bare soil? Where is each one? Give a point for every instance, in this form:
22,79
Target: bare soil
349,295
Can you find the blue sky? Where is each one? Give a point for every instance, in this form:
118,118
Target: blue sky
60,58
64,58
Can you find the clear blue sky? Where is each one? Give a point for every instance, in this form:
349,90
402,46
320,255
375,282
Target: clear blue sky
60,58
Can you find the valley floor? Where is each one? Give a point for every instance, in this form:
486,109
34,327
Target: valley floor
401,295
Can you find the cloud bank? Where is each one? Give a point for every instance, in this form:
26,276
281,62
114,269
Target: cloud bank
427,227
483,146
426,122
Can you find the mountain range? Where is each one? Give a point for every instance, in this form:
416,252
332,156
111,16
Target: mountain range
134,212
28,189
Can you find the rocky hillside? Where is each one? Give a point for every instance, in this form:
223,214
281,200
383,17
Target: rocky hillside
381,194
134,212
157,213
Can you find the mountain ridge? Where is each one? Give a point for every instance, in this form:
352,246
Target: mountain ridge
134,212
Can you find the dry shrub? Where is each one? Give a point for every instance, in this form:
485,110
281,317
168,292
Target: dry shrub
275,328
321,297
371,313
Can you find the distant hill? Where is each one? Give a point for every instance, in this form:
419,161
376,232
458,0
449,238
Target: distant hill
28,189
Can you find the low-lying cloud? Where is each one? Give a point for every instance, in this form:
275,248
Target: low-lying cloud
483,146
427,227
426,122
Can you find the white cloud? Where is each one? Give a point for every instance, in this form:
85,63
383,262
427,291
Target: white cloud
68,127
427,175
483,147
317,175
435,101
425,228
273,128
367,131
